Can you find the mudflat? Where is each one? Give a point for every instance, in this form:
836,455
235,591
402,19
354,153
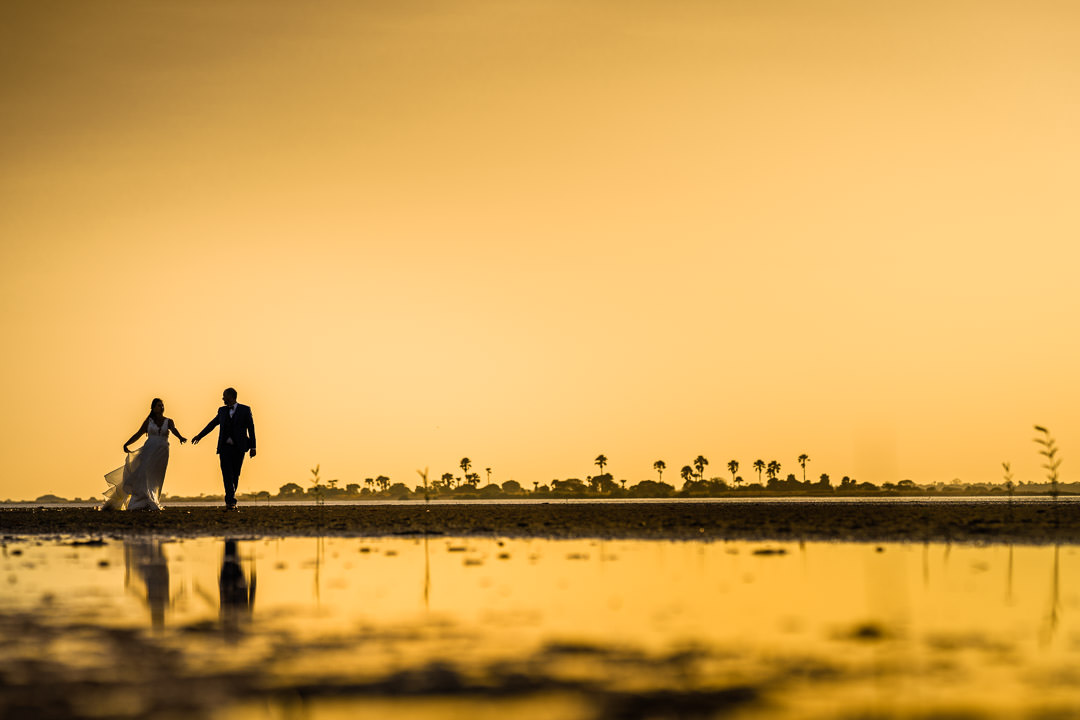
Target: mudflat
1024,521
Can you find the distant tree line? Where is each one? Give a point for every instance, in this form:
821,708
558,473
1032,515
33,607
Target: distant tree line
770,482
606,486
603,485
466,485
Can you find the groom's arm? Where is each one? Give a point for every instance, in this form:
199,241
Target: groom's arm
209,426
251,433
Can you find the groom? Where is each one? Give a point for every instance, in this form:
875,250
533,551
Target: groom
235,437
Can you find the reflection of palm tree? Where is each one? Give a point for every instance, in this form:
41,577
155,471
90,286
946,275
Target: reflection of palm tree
699,463
759,465
733,467
601,461
660,466
803,459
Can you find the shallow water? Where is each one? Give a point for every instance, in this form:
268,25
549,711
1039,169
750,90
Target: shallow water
328,627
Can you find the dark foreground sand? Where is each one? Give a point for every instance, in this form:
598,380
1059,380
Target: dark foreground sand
862,521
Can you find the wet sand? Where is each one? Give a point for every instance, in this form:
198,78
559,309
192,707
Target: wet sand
1035,522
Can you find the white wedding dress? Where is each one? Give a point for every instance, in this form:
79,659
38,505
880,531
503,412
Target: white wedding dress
137,485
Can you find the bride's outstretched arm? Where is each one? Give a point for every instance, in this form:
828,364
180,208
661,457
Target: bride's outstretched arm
174,431
138,434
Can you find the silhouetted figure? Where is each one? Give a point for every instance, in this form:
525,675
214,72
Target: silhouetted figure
137,485
237,594
145,561
236,436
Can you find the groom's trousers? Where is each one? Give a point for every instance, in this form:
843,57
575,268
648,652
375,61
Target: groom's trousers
232,459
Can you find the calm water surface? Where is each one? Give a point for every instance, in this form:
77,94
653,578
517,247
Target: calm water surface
347,627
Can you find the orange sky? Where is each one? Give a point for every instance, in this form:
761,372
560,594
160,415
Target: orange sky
533,232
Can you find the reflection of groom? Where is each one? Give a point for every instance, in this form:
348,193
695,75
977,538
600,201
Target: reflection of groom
235,437
237,594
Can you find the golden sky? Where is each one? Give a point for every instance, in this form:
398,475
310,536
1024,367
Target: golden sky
531,232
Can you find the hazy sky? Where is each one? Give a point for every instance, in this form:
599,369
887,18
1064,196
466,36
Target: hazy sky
532,231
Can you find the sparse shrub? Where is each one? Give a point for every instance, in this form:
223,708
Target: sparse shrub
1049,451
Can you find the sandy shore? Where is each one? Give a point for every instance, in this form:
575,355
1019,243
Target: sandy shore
863,521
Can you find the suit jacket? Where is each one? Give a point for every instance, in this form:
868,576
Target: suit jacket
240,427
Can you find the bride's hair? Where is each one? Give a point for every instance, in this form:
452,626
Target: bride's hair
155,401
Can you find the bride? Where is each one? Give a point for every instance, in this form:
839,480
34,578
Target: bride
137,485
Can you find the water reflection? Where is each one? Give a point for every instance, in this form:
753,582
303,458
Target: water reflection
427,574
146,574
237,592
813,630
1053,615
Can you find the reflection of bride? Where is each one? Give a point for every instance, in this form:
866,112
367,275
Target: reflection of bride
137,485
145,565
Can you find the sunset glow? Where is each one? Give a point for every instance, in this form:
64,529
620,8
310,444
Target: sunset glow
531,232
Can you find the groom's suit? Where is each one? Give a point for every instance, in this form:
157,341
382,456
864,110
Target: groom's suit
236,436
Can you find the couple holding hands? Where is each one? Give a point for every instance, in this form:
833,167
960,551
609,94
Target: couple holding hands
137,485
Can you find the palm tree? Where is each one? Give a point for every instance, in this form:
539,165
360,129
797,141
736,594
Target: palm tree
803,459
700,462
660,466
488,471
759,465
733,467
773,469
465,464
687,473
601,461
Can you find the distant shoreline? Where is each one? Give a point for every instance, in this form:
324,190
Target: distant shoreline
482,495
869,520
